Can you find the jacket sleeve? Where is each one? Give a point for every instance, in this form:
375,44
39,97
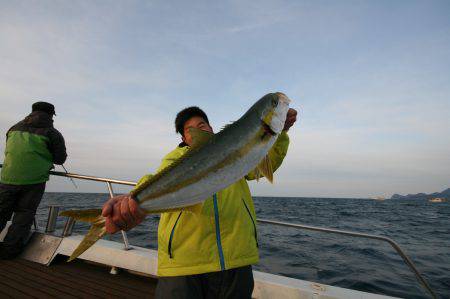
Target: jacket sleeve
276,153
57,146
142,180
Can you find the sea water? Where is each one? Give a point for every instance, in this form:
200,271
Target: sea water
421,228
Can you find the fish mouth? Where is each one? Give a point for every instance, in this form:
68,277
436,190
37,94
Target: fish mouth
283,98
275,120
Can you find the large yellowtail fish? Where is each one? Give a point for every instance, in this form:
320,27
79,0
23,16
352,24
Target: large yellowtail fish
213,162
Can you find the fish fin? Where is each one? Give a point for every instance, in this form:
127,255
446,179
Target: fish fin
82,215
96,232
257,174
265,167
227,125
200,137
196,209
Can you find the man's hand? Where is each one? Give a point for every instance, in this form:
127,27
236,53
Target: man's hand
122,213
291,118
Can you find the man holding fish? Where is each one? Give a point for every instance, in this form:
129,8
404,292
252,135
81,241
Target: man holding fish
207,237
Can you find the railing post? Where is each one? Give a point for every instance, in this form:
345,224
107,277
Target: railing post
51,220
125,241
124,234
68,227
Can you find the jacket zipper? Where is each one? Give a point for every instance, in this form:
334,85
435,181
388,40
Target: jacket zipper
169,249
253,221
219,242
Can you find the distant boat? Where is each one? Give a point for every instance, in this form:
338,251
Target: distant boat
437,199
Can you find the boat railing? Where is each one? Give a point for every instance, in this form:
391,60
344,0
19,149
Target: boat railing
70,223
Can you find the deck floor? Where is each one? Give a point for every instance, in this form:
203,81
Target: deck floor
24,279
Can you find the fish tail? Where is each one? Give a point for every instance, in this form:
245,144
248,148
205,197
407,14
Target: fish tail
96,232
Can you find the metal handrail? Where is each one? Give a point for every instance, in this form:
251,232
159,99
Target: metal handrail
403,255
109,183
90,178
405,258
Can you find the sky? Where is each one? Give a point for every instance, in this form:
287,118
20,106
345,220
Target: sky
370,80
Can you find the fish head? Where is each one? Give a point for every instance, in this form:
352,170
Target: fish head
275,108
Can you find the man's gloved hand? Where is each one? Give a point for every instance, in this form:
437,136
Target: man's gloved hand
291,118
122,213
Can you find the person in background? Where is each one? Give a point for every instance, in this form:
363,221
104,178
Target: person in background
209,254
33,145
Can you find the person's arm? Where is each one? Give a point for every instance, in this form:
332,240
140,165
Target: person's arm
57,147
142,180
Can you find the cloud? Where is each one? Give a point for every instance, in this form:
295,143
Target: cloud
373,96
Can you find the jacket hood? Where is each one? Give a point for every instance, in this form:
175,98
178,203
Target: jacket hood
39,119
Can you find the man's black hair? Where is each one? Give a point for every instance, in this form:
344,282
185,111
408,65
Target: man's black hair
187,113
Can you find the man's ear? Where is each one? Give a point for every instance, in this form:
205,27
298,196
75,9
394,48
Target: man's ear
182,138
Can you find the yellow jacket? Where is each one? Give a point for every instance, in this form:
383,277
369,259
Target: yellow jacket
222,236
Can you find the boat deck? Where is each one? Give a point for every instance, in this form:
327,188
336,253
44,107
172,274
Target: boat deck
24,279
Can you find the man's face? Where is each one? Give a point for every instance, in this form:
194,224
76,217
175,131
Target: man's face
194,122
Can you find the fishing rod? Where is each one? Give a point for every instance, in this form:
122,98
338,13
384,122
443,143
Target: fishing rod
73,182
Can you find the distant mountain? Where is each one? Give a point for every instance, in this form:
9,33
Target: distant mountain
443,194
